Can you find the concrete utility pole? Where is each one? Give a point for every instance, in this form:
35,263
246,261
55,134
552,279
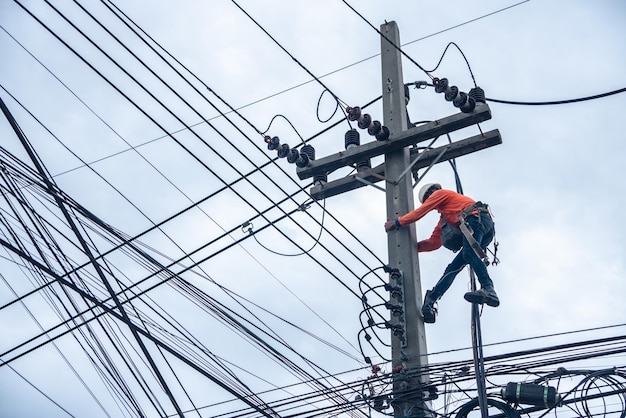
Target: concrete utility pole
409,356
411,389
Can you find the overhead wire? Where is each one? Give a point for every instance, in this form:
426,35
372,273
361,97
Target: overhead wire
240,173
559,102
326,88
232,109
318,239
51,188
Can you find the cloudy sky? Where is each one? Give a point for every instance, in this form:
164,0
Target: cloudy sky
160,139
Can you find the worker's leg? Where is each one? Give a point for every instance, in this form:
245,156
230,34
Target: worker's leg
449,274
483,228
483,231
428,310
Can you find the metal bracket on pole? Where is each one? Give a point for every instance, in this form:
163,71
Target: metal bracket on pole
416,160
443,151
369,183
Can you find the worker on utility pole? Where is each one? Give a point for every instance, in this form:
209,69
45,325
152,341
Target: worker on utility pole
465,226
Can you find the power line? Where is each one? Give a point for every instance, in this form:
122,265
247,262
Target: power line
559,102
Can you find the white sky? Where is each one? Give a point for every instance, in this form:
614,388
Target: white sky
554,184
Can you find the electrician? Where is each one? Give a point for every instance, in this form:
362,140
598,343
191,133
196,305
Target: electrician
454,209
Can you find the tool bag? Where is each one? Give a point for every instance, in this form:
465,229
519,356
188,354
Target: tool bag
451,236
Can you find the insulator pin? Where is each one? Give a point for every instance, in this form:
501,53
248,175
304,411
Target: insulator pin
283,150
293,155
363,166
308,150
365,121
352,138
320,179
374,128
478,95
272,142
354,113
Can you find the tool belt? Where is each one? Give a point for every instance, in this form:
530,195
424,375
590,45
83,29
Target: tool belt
474,209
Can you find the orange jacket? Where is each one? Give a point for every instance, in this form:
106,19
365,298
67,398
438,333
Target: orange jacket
449,204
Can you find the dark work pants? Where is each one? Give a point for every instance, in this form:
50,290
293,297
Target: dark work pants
484,230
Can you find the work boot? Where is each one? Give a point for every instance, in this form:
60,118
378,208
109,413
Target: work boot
485,295
429,312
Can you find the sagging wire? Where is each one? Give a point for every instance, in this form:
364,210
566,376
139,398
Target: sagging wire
559,102
338,106
462,54
288,121
248,228
369,311
236,111
613,378
293,155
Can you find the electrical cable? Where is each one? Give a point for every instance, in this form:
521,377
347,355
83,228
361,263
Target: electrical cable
255,236
279,230
211,148
289,54
382,35
462,54
559,102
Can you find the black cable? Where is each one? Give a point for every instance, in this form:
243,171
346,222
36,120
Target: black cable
462,54
154,121
288,53
559,102
255,237
509,412
387,39
218,154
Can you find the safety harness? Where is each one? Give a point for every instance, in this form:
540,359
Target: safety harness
467,231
